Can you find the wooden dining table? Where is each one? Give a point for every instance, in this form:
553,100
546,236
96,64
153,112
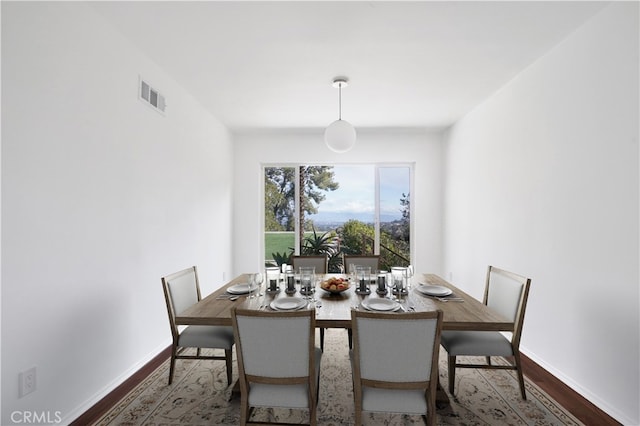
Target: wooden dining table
334,310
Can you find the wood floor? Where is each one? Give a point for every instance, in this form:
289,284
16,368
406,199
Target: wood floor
573,402
584,410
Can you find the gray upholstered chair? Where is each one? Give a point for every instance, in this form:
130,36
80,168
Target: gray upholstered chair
278,362
319,262
395,362
367,261
181,290
506,293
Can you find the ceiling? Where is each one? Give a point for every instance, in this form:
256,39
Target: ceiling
410,64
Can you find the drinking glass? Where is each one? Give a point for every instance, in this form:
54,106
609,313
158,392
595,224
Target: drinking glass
307,280
399,275
273,277
382,282
290,281
363,274
352,273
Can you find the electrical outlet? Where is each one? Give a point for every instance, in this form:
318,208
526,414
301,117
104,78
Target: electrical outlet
27,382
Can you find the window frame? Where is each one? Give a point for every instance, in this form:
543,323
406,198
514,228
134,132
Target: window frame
377,166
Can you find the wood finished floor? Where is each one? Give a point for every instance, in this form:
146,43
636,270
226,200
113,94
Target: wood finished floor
581,408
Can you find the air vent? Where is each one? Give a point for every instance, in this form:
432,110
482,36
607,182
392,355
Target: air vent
150,96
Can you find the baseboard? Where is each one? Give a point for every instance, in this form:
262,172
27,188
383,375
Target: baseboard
103,401
559,388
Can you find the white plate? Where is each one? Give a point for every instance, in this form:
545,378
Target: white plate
433,290
240,288
288,303
379,304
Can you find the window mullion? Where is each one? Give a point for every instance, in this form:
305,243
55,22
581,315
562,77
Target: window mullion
297,212
376,219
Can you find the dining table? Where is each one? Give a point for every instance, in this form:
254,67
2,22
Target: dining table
460,310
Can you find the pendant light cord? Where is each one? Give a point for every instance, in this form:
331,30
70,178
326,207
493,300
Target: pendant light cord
340,101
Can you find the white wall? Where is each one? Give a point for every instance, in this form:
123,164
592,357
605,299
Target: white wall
423,149
542,179
101,196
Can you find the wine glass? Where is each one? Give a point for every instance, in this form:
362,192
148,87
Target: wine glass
258,279
410,274
251,283
390,285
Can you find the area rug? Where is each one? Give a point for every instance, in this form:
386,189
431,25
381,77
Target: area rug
199,396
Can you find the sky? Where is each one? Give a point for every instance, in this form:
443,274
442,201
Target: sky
356,195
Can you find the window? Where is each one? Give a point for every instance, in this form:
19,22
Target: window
333,210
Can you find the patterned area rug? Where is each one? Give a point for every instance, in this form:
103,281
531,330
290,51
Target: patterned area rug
199,396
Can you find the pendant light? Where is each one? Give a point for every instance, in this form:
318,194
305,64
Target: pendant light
340,136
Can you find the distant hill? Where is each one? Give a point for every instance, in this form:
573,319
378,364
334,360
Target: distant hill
337,218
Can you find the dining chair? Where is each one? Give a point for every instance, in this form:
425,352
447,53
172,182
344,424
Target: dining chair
348,260
368,261
181,290
319,261
321,264
278,361
506,293
395,362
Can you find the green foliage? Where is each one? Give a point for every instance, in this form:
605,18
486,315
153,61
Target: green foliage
282,258
318,244
326,244
279,196
314,181
278,242
358,238
405,226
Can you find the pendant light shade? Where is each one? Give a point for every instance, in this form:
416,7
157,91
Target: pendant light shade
340,136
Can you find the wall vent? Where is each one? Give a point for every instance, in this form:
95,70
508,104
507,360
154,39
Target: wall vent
150,96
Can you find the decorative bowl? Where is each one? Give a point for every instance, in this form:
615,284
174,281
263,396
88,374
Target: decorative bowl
335,285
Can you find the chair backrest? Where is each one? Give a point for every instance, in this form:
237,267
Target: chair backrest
400,348
181,290
368,261
320,263
275,345
507,294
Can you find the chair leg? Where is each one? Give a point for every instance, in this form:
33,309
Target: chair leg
488,358
350,334
516,356
322,339
244,409
358,417
431,406
313,399
172,363
452,373
228,357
